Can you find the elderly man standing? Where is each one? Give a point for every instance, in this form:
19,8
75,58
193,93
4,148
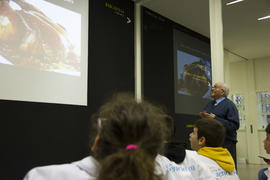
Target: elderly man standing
225,111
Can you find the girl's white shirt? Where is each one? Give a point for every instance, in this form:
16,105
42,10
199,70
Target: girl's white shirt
194,167
87,169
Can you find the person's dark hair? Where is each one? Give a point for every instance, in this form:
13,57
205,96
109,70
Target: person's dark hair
169,122
174,150
213,131
267,130
123,121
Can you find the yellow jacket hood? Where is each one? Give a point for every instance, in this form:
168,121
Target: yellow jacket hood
221,155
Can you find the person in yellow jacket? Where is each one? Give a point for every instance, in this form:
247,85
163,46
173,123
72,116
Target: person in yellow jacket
207,139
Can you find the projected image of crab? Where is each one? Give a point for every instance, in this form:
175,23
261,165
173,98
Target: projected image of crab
194,80
29,38
194,76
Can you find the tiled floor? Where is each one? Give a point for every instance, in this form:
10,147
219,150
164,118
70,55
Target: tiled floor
249,171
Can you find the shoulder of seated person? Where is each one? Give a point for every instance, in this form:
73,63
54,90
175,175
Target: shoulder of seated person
59,172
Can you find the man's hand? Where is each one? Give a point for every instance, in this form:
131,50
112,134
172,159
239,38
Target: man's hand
203,114
212,115
207,115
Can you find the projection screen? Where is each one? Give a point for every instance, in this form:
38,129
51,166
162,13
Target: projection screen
44,51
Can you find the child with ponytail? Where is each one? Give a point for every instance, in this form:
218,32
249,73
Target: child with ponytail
129,138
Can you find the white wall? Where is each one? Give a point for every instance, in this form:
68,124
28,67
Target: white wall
262,74
236,78
262,83
248,77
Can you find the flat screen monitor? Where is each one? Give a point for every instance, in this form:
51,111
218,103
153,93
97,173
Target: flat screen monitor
192,73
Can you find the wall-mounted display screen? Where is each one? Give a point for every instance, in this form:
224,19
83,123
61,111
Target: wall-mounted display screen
44,51
192,73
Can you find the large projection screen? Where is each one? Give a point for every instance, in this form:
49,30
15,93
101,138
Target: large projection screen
44,51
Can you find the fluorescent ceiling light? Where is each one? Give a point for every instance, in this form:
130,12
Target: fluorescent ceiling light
233,2
265,17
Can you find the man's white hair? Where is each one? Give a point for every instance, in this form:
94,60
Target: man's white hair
225,88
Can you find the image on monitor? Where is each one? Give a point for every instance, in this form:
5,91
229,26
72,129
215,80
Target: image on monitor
194,75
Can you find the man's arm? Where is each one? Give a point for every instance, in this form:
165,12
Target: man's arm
205,113
231,120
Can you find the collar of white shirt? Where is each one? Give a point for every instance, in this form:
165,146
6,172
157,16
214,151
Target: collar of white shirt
219,100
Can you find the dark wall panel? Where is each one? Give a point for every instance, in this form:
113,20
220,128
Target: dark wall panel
34,134
158,68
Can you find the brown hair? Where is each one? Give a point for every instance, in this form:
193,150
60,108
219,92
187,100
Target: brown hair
124,122
213,131
267,129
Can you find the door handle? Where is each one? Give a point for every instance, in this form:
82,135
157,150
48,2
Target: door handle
251,129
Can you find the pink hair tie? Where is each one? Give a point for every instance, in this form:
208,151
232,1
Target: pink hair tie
131,146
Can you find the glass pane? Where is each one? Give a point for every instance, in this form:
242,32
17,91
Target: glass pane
239,101
263,109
